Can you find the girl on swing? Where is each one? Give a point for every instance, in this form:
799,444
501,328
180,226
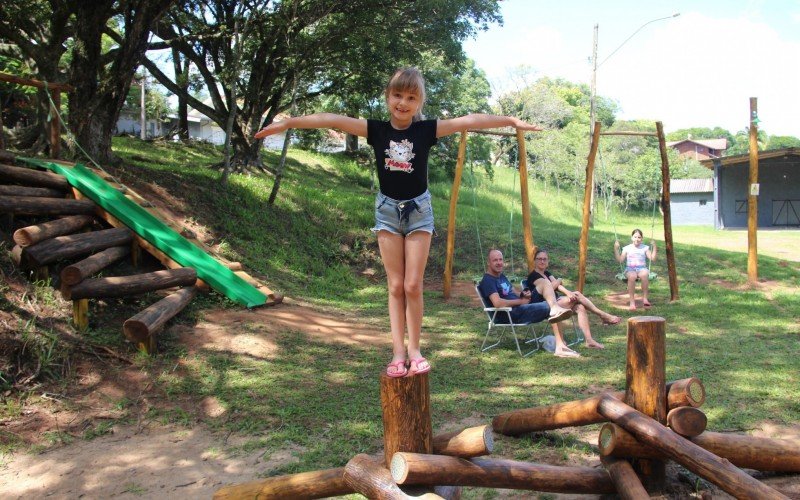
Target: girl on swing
635,256
403,212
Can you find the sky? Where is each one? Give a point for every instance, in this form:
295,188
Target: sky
698,69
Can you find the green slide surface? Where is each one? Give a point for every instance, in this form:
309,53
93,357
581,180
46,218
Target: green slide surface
163,237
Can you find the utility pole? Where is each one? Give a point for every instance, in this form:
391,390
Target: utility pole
591,116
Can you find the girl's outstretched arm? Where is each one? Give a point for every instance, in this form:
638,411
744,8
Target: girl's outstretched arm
473,121
353,126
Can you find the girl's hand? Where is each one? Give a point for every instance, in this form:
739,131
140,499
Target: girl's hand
616,245
523,125
571,296
271,129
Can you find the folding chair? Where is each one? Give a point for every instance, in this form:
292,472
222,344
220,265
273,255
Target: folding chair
577,332
499,313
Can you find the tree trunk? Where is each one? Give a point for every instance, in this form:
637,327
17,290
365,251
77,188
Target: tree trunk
35,205
406,408
99,89
466,443
31,235
73,245
123,286
31,177
317,484
30,191
625,479
702,462
75,273
416,468
150,321
181,70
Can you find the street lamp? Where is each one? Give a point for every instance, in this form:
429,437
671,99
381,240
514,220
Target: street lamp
593,94
595,65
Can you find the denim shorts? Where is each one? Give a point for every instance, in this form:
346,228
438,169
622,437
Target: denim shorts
388,215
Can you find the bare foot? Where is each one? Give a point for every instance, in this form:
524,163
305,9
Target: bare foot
646,303
611,320
593,344
632,306
566,352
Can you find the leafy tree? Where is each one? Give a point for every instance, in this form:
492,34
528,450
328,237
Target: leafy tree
324,47
783,141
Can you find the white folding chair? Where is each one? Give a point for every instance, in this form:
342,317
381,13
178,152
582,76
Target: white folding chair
495,314
577,336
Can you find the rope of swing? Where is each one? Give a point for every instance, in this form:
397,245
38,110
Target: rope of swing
481,256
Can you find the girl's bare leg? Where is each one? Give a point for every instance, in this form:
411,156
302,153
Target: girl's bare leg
644,277
631,289
392,248
590,307
583,321
417,247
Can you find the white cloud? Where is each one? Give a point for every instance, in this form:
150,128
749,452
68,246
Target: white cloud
701,71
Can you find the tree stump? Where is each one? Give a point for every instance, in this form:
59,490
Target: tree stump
645,386
405,403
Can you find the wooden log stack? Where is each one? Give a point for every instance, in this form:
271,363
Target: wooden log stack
29,192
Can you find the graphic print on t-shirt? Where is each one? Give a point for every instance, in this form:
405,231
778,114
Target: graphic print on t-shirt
400,156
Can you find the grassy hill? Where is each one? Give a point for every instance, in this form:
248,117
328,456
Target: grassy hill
318,401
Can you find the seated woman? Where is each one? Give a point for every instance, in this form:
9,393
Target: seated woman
570,300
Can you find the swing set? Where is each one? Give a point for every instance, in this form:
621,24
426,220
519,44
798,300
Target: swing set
527,233
583,246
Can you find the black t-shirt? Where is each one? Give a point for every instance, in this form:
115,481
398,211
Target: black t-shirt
401,156
535,275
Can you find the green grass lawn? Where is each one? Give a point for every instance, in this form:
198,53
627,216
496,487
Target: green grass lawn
319,401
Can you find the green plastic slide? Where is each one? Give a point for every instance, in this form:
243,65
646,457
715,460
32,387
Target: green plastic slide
163,237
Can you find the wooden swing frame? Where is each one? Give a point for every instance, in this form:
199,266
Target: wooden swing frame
527,232
583,246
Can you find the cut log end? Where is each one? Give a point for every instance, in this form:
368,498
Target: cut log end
135,331
398,468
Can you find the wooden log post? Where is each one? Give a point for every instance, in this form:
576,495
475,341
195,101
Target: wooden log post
74,245
36,205
685,392
305,485
40,192
422,469
80,314
752,196
123,286
466,443
702,462
588,191
75,273
645,386
32,235
667,211
33,178
368,476
780,455
141,328
764,454
405,403
584,411
687,421
624,478
451,220
527,232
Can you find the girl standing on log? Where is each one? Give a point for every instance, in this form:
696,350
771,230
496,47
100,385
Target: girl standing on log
635,256
403,211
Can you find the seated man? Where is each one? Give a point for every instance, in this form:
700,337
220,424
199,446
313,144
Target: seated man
497,290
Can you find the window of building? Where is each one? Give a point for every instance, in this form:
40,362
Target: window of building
741,207
702,203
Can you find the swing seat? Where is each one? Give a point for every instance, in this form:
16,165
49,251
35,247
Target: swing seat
651,276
